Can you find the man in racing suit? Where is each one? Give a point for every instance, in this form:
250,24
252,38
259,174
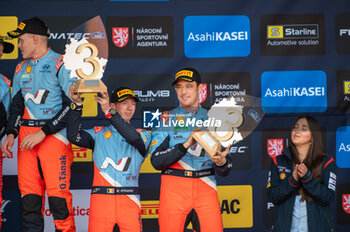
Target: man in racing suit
5,97
118,152
38,115
188,185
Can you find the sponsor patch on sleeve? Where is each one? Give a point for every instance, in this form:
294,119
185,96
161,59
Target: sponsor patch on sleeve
98,129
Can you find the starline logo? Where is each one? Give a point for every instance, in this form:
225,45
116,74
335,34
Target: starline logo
292,31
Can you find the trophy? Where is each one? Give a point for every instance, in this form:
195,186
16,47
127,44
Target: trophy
87,57
237,121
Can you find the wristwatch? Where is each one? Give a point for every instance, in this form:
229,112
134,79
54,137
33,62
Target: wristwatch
111,112
76,106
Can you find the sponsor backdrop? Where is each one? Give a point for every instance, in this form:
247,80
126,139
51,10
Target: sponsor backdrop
294,55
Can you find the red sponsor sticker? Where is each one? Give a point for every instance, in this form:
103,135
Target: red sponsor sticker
274,147
98,129
203,93
120,36
346,203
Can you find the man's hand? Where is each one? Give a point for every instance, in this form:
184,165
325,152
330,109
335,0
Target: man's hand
7,145
32,139
104,102
74,96
191,141
220,156
302,170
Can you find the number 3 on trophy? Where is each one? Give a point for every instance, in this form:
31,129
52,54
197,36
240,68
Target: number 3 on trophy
90,59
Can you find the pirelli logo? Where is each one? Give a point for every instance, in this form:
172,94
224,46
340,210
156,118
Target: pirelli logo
184,73
21,25
124,92
81,154
149,209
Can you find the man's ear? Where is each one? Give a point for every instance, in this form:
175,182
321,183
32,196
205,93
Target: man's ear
36,38
200,87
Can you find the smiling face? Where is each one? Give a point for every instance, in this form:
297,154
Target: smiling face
126,108
188,93
301,134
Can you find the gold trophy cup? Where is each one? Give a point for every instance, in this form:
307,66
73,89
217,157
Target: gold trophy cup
238,120
87,57
87,83
210,140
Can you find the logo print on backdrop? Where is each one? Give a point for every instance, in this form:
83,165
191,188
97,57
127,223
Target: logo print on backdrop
346,203
203,94
347,87
294,91
302,34
274,147
140,37
120,36
216,36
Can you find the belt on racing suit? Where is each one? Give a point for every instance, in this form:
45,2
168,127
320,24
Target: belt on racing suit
187,173
115,190
33,123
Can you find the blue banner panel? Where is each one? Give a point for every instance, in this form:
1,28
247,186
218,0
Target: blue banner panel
217,36
343,147
294,91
